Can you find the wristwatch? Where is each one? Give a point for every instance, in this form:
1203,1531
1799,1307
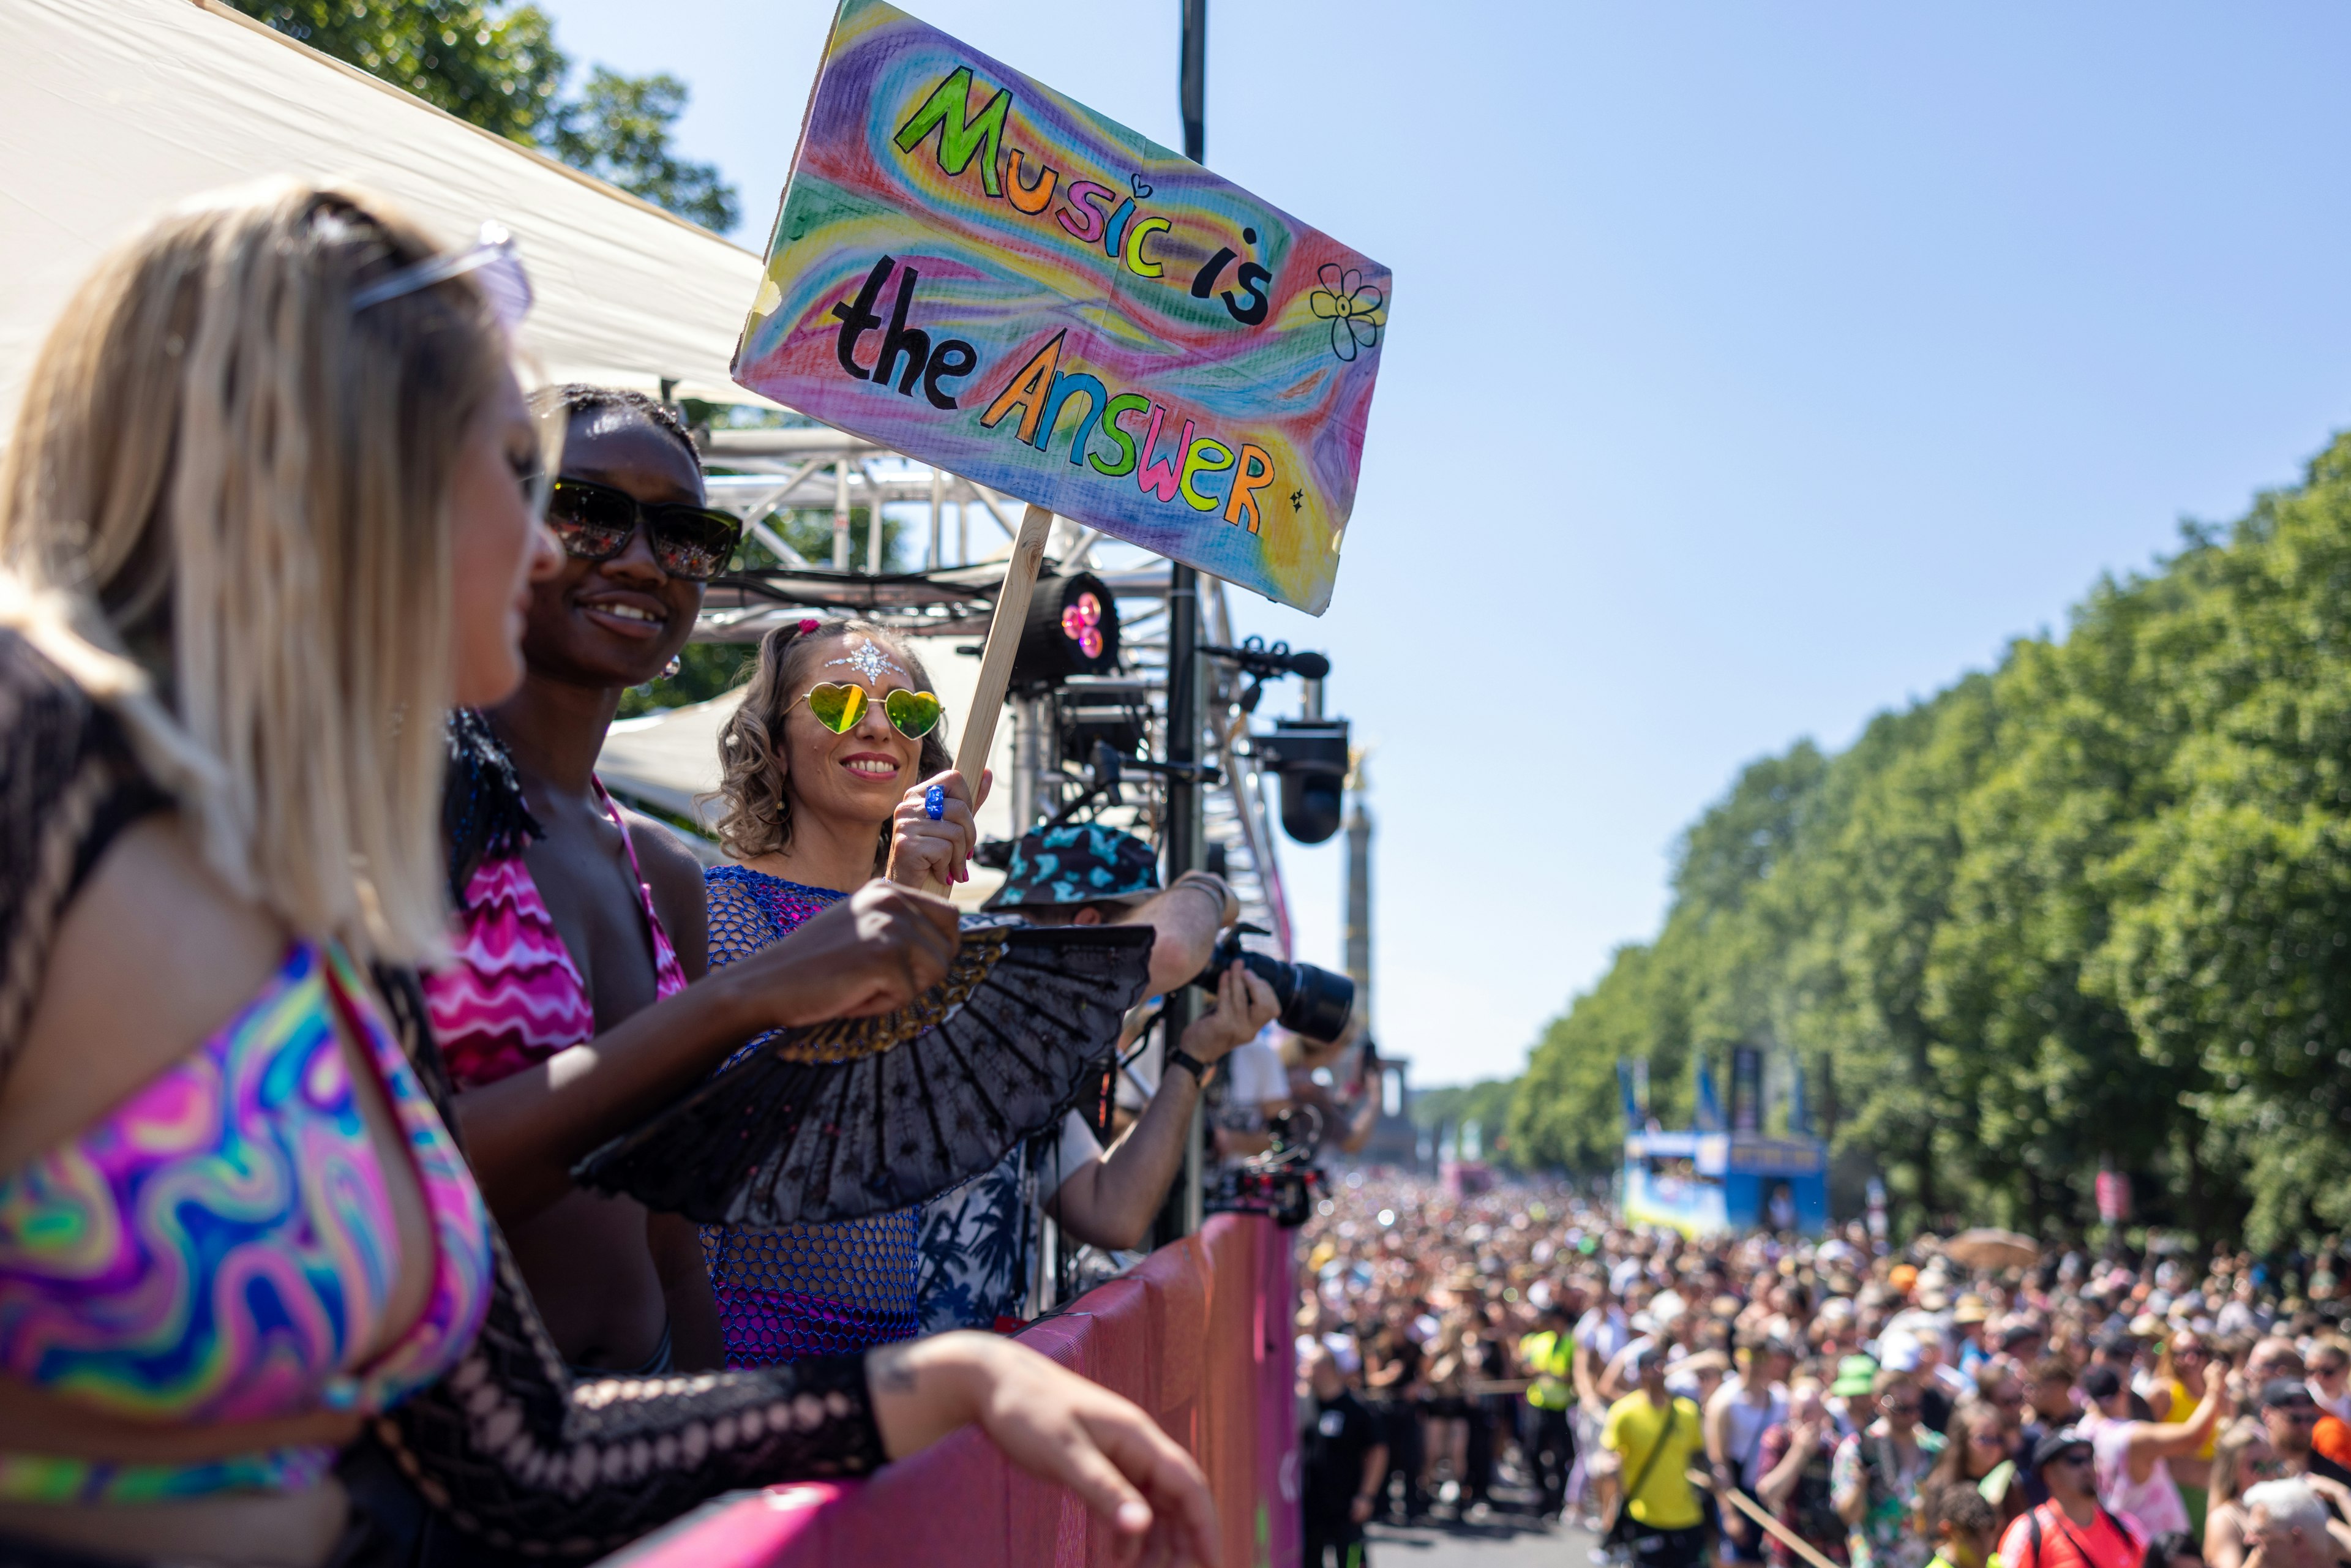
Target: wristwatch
1179,1057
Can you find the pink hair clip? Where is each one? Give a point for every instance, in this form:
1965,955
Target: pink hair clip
809,626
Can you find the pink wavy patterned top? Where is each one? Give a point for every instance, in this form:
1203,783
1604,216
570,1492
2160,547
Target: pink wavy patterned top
513,997
215,1248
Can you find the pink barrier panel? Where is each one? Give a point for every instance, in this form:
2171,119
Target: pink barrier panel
1198,1334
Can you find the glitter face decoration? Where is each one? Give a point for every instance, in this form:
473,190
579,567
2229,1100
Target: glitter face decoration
870,661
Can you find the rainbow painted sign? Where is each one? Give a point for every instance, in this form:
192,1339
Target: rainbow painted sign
977,272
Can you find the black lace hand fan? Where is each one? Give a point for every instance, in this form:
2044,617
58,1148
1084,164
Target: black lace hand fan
858,1116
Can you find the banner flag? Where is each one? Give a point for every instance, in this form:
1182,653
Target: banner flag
974,270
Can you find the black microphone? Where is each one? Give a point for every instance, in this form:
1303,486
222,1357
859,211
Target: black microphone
1257,659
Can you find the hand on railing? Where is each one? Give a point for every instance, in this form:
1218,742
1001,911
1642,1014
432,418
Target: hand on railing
1055,1425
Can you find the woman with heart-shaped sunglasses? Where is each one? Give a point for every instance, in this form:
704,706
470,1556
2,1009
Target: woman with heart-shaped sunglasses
833,770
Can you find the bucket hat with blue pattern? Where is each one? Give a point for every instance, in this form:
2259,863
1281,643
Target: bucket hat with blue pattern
1077,863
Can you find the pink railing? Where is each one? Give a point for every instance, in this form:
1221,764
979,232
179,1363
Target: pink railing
1198,1334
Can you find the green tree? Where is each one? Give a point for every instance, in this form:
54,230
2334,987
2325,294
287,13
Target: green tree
1484,1106
1565,1113
811,534
497,66
2093,907
2231,956
618,130
705,670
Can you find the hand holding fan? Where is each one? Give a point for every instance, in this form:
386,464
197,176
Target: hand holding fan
855,1116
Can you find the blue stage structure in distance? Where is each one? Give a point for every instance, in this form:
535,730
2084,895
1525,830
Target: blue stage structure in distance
1727,1174
1707,1184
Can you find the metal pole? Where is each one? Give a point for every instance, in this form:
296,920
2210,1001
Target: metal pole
1180,1215
873,529
931,562
1194,84
840,516
963,533
1026,760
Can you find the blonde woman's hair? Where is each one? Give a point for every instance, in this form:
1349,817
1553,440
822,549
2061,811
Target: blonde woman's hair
2242,1433
754,795
239,485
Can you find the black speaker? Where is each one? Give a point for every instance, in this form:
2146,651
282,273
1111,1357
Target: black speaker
1311,757
1072,630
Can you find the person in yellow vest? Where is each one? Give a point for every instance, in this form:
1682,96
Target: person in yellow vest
1656,1435
1547,1357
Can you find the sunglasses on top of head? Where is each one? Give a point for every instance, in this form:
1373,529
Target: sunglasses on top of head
596,522
839,706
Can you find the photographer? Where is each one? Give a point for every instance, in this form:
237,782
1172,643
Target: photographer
975,1241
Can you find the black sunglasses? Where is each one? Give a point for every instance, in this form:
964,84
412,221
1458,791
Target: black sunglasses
596,522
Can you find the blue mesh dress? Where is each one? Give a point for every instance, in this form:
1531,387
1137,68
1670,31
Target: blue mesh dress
807,1290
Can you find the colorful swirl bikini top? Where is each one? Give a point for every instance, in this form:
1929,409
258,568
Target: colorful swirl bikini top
218,1248
514,998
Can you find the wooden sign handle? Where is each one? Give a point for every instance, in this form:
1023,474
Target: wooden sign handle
1786,1537
995,662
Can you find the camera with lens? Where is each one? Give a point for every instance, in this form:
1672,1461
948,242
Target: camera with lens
1314,1001
1284,1192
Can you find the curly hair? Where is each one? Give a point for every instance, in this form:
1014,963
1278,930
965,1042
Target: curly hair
576,398
753,791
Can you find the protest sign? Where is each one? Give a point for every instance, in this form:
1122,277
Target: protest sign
974,270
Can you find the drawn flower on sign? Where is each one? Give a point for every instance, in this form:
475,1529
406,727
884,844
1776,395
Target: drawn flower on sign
1351,307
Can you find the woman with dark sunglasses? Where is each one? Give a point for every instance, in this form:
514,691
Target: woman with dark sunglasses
578,917
1978,1452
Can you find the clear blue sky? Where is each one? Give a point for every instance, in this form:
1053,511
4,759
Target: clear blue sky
1751,369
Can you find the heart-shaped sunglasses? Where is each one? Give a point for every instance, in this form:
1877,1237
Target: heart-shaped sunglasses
837,708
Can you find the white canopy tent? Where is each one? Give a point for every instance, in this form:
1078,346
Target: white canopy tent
118,108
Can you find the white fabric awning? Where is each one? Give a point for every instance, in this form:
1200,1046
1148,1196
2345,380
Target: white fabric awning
114,110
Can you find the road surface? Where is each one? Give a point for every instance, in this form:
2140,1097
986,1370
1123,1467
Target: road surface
1505,1540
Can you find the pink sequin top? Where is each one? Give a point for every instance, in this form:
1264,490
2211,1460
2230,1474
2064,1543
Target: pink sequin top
513,997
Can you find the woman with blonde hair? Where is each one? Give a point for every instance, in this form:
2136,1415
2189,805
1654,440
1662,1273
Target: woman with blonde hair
2242,1458
267,512
2181,1369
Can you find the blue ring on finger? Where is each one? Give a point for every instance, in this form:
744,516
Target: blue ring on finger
934,802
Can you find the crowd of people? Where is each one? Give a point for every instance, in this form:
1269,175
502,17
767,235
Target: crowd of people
328,958
1810,1402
